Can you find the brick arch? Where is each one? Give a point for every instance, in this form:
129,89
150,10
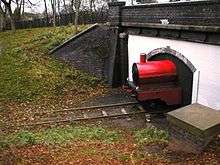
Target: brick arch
168,50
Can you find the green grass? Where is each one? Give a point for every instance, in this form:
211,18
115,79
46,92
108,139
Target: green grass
28,73
150,135
70,133
60,136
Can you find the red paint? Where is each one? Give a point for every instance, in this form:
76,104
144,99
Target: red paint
151,69
171,95
157,80
143,58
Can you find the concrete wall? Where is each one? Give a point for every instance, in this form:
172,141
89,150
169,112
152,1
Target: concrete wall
205,58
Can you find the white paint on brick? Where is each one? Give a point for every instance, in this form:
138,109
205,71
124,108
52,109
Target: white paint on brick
205,58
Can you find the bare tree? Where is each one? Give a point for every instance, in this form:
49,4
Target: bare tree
46,11
65,6
18,9
76,5
59,10
3,13
53,5
23,4
8,6
91,5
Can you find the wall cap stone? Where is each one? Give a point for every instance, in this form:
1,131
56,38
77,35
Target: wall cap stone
186,3
215,29
112,4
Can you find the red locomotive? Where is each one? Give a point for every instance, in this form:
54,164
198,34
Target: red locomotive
153,80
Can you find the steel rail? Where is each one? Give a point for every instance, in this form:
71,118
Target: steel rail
90,107
103,116
81,119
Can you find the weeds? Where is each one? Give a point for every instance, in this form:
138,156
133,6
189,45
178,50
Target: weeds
60,136
150,135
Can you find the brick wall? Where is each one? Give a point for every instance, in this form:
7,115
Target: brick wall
201,13
89,52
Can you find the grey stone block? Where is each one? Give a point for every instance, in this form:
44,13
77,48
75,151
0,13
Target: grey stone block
196,119
193,127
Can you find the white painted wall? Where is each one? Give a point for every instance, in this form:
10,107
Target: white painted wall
205,58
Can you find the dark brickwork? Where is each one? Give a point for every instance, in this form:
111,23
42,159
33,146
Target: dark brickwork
89,52
115,12
197,21
185,35
103,53
185,13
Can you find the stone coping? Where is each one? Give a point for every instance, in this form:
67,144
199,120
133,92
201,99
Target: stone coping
178,3
74,37
215,29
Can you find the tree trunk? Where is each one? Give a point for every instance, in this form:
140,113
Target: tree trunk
46,12
1,23
72,11
90,9
64,4
76,20
11,18
23,3
59,11
12,21
17,11
53,5
2,18
54,12
90,5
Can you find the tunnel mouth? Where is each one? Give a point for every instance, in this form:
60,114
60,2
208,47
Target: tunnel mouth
185,75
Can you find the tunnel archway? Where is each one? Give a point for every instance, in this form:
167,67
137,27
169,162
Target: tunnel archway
185,70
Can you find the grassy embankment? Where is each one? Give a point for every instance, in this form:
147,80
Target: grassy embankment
28,73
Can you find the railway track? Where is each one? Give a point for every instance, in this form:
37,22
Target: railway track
91,113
